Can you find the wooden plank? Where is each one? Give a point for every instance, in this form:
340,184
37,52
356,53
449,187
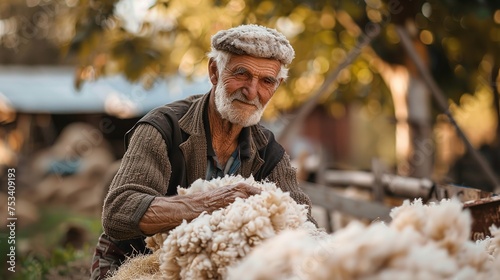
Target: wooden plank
393,184
485,212
333,200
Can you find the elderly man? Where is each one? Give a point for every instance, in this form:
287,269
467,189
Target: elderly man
204,136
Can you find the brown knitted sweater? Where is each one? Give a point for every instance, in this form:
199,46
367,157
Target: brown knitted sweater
145,172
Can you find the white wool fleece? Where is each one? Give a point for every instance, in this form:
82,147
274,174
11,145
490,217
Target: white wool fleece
204,247
422,242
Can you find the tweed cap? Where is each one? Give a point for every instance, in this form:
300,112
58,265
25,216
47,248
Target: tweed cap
254,40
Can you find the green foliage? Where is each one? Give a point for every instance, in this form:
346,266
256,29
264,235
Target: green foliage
61,262
41,252
458,38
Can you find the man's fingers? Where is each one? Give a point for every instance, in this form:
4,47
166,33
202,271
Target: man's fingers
226,195
253,190
247,189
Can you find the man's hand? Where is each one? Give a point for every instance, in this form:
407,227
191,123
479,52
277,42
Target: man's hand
223,196
165,213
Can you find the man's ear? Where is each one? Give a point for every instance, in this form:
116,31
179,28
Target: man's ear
213,72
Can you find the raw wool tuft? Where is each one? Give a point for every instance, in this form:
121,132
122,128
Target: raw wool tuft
415,245
203,248
155,242
270,261
494,246
447,224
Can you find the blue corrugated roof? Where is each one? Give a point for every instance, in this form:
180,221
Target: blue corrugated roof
51,90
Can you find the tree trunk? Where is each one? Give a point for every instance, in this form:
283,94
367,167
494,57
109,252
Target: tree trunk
419,118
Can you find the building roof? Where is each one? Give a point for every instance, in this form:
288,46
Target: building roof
50,89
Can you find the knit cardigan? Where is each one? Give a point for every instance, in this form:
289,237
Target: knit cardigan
145,171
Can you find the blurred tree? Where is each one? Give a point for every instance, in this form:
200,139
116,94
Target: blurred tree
150,39
32,31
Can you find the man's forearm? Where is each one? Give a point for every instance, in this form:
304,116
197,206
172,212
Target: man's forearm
165,213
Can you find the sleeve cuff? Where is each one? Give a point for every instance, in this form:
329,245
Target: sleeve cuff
139,213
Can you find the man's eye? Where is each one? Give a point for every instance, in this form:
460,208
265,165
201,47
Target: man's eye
269,81
240,74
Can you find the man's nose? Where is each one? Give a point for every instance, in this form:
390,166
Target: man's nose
252,88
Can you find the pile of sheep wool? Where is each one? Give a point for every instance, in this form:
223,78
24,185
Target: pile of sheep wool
422,242
206,246
267,236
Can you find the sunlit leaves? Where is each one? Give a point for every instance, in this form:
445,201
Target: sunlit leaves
173,36
475,113
265,8
134,54
496,16
327,18
426,37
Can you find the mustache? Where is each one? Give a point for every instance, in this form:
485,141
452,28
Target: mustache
239,96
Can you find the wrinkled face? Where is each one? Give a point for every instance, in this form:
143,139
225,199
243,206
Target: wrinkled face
246,86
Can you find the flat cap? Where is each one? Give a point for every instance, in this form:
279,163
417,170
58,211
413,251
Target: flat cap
254,40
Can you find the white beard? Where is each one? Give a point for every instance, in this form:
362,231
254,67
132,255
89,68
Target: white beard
223,103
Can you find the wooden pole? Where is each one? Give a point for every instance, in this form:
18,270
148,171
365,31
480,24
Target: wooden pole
438,95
